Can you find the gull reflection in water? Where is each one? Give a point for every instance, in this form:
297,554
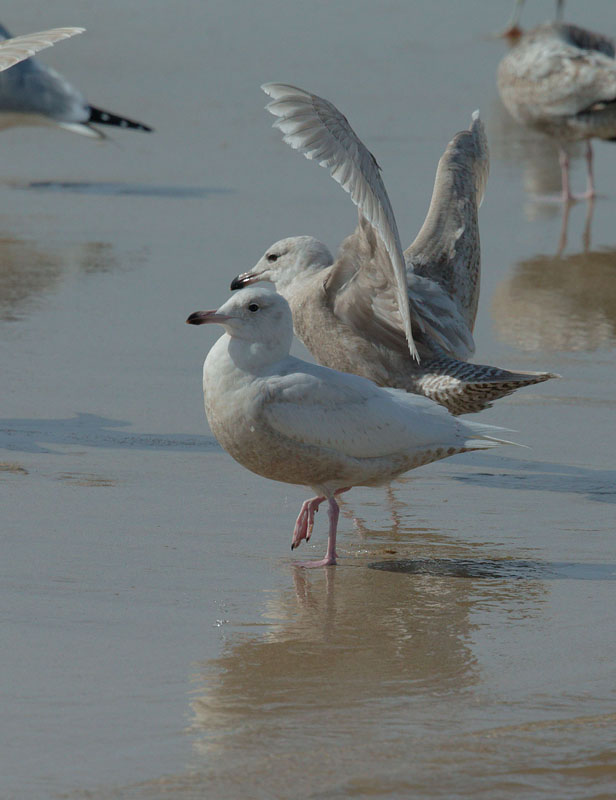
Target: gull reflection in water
347,673
537,157
561,302
29,270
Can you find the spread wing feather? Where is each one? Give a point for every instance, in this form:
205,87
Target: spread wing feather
19,48
317,129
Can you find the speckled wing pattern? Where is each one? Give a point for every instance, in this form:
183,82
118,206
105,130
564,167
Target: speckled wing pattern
317,129
19,48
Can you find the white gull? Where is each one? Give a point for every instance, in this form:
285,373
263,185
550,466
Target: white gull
353,313
300,423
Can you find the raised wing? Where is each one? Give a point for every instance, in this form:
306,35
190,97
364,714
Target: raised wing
447,248
317,129
364,298
19,48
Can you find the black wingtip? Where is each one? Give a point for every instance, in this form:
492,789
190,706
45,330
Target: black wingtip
100,117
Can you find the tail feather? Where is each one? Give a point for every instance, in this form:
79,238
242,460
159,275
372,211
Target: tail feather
484,436
100,117
465,388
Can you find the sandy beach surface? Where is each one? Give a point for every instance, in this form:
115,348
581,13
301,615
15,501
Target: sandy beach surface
157,641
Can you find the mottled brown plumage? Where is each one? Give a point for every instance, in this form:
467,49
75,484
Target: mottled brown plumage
347,311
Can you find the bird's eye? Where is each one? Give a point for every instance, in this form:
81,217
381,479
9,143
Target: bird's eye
272,257
253,307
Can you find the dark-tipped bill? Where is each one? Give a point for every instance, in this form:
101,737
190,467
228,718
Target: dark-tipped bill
245,279
201,317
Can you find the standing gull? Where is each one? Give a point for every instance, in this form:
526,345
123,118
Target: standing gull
561,80
33,94
300,423
352,313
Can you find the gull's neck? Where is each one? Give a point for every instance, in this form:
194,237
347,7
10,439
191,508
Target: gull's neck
248,357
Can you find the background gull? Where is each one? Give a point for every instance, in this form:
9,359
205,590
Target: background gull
33,94
300,423
350,312
513,26
561,80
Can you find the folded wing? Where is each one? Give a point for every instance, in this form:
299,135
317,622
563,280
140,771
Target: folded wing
351,416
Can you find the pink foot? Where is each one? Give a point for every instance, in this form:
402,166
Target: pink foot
333,513
305,521
323,562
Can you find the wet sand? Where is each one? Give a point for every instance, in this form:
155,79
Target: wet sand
158,641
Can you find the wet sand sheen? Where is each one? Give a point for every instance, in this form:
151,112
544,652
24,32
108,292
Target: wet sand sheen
158,641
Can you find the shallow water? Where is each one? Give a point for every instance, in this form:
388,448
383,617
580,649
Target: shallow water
158,641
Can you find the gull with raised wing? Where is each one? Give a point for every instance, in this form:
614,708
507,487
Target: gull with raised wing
401,319
33,94
560,80
300,423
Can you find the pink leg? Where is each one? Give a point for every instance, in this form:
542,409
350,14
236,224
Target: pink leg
304,524
563,158
330,557
590,184
305,521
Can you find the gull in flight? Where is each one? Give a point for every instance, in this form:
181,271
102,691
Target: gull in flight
300,423
561,80
19,48
33,94
401,319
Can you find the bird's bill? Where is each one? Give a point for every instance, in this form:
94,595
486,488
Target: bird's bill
203,317
245,279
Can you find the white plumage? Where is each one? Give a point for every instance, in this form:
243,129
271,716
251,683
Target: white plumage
301,423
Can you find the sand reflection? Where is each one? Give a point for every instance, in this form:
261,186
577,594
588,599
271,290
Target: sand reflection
561,302
346,675
536,155
29,270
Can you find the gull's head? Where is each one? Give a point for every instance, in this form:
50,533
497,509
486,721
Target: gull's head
256,315
286,261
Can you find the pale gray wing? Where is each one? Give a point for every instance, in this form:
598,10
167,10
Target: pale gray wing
350,416
447,248
363,297
317,129
17,49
